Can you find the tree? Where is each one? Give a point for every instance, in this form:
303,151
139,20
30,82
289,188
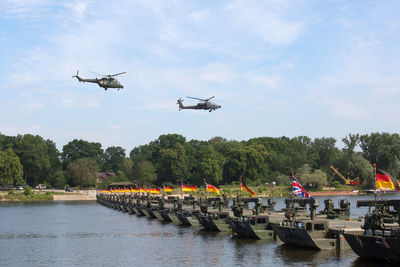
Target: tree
82,172
172,164
78,149
351,141
145,173
382,149
55,170
210,165
358,166
127,169
170,140
33,153
113,157
312,179
326,150
11,170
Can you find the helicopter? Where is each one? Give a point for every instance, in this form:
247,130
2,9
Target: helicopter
107,81
205,104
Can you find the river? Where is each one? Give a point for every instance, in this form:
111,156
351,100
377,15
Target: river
85,233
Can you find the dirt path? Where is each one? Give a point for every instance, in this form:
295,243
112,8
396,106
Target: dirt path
81,195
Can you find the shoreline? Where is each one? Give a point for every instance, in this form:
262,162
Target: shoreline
84,195
90,195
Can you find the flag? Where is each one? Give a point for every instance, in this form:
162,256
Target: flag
144,189
168,189
154,191
298,190
135,190
385,181
211,188
189,188
244,187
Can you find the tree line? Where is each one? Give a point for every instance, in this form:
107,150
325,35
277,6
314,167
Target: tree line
171,159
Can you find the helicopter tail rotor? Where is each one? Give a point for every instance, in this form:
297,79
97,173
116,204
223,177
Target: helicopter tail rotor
179,102
77,74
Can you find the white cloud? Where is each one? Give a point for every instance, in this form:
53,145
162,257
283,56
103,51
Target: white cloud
266,20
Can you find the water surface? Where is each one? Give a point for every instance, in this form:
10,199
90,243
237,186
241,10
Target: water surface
88,234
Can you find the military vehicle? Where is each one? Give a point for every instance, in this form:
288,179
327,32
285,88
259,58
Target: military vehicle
205,104
381,236
314,233
258,224
188,211
215,214
107,81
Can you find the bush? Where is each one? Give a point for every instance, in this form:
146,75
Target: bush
11,192
27,190
261,189
336,184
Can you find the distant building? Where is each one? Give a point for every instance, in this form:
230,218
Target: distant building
104,176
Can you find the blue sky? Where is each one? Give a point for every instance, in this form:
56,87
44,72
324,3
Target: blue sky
278,68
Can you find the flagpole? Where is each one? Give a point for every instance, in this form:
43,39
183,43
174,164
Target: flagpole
241,182
376,192
205,188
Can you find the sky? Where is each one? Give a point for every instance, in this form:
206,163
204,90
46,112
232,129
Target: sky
277,68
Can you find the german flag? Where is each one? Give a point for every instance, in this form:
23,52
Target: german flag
135,190
154,191
211,188
168,189
385,181
142,189
189,188
244,187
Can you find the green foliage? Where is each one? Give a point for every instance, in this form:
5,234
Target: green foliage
172,159
82,172
382,149
336,184
79,149
261,189
113,159
27,190
127,169
312,179
33,153
11,169
11,192
145,173
29,197
325,150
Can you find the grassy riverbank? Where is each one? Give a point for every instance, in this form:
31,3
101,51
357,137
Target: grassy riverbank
47,195
20,196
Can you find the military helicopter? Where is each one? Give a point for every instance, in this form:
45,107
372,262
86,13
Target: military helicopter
108,81
205,104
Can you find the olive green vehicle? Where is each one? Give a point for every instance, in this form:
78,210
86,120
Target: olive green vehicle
166,208
108,81
381,236
314,233
215,214
187,211
256,225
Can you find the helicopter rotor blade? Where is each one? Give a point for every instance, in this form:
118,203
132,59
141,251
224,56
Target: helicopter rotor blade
209,98
196,98
116,74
